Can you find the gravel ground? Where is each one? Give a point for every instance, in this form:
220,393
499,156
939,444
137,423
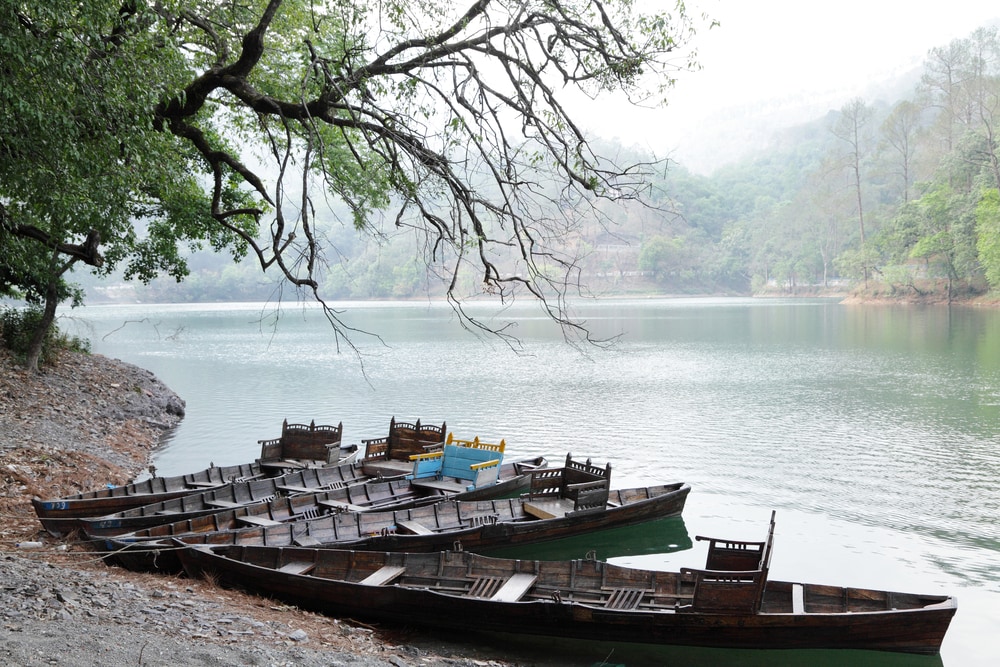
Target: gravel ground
89,420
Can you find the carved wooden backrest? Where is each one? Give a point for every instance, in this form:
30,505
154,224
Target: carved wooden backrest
405,440
587,485
304,442
735,575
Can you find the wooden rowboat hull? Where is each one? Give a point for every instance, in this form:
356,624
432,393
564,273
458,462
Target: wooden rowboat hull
476,525
212,501
61,515
445,590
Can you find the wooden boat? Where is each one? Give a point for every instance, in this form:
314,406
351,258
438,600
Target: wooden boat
229,496
300,446
474,525
585,599
316,491
390,455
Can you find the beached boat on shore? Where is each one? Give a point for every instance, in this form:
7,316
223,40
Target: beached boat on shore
585,599
300,446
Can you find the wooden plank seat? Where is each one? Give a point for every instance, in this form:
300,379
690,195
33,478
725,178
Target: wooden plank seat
204,485
166,512
283,464
798,599
386,574
257,521
548,508
297,567
515,587
414,528
222,504
305,541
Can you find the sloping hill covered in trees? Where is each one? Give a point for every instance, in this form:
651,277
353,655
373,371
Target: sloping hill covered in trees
897,196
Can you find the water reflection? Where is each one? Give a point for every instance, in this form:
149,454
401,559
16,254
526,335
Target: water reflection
550,652
654,537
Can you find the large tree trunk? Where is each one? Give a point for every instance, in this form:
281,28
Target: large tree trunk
44,325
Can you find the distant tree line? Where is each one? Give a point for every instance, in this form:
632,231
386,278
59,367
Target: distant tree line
899,197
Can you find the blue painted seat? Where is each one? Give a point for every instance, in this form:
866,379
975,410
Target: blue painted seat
465,464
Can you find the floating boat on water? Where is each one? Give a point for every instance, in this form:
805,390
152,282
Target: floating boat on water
568,501
300,446
586,599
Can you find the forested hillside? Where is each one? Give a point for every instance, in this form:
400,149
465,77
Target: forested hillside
896,196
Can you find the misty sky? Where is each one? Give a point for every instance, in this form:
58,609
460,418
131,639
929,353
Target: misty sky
793,50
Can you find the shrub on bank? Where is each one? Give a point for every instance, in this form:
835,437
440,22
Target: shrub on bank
18,326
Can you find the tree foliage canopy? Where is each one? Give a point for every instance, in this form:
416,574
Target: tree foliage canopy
233,123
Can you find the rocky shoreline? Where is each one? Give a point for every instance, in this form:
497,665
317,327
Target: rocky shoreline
89,420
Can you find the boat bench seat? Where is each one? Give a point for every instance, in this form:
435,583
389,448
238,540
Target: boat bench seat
502,589
204,485
414,528
297,567
305,541
548,508
515,588
257,521
283,464
384,575
223,504
798,599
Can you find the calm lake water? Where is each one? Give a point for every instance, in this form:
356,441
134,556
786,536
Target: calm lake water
874,432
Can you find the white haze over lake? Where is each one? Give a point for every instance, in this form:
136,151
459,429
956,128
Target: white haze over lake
774,63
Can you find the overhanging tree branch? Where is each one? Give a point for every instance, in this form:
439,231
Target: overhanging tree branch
466,117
